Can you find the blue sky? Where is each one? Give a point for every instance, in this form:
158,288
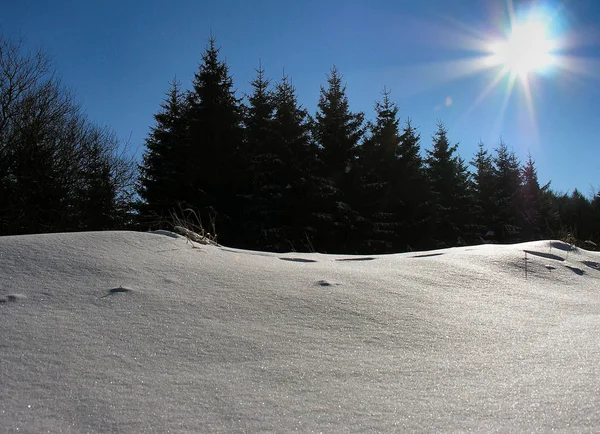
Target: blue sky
120,55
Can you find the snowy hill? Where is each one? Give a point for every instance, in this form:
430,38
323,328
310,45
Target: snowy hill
141,332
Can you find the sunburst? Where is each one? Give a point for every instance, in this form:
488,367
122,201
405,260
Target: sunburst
529,48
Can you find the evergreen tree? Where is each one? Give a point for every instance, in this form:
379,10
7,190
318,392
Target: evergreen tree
264,207
303,188
394,187
98,203
163,185
411,198
596,219
379,177
338,132
450,189
216,164
532,217
484,211
577,217
507,185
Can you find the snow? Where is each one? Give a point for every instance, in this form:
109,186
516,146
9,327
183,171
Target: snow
145,332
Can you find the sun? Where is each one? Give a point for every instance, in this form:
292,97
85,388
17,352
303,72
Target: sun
528,49
523,50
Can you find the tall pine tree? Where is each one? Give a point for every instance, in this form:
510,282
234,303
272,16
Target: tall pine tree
163,185
264,207
378,177
532,207
216,164
303,187
338,132
450,188
484,209
507,185
411,198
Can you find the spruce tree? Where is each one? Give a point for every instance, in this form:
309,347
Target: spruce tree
532,217
450,188
507,185
484,210
596,220
411,198
338,132
163,186
263,207
98,209
377,164
576,215
216,165
303,187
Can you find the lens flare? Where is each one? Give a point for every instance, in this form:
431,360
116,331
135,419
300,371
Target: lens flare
528,48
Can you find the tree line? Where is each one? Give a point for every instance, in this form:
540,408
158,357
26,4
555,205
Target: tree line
261,172
268,175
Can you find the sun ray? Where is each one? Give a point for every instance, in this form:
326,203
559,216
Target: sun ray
529,47
484,93
530,106
512,80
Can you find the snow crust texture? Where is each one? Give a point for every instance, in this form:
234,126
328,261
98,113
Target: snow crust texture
141,332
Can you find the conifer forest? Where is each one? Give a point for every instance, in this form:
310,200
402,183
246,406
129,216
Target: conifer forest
260,172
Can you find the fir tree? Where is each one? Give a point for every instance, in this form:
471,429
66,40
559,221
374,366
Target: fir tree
596,219
484,211
264,207
216,164
531,201
163,185
411,198
576,214
450,188
507,185
303,188
377,165
338,132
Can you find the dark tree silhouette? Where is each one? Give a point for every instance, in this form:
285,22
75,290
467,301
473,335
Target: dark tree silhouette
507,186
53,165
215,165
411,201
302,185
450,189
163,186
338,132
264,208
484,210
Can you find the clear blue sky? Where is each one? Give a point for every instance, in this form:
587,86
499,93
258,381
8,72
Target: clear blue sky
120,55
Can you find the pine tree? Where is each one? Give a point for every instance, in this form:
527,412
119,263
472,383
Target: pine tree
377,164
98,195
576,214
303,188
264,207
163,185
484,211
596,220
411,198
450,188
338,132
531,201
507,185
216,164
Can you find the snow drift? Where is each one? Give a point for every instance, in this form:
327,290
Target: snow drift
141,332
